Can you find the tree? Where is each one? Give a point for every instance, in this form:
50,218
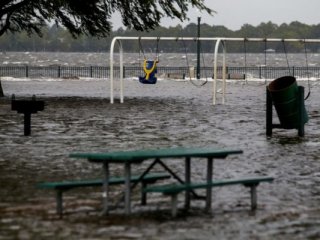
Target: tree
90,17
266,29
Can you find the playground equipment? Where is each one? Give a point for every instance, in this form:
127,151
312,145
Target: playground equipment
149,66
119,40
217,41
150,70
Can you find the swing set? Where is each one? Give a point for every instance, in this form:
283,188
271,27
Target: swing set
150,66
287,61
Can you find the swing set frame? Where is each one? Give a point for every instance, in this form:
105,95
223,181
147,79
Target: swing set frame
217,41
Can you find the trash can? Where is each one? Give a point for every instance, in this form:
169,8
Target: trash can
285,97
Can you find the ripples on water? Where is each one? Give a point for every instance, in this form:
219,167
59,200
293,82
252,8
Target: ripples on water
165,59
79,118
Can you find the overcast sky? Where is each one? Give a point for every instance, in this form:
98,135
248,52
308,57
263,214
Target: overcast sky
235,13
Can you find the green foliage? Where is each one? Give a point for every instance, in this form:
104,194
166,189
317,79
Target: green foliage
59,39
90,17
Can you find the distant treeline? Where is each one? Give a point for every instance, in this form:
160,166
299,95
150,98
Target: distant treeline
58,39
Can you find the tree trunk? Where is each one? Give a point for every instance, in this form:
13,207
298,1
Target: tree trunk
1,91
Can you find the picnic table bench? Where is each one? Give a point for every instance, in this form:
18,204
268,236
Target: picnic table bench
63,186
157,157
174,189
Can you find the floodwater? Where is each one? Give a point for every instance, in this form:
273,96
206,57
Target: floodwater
79,118
165,59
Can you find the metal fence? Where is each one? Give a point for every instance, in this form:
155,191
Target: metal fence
174,72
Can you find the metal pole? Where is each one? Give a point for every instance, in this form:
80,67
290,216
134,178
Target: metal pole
105,187
209,182
187,181
224,71
114,40
301,112
269,113
215,71
127,193
198,50
121,71
27,123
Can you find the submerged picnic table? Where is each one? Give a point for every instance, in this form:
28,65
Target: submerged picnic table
136,157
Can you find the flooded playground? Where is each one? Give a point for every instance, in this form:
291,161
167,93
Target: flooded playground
79,118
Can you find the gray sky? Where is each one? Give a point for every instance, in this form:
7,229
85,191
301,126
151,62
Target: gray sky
235,13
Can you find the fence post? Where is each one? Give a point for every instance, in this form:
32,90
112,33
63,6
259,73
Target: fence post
27,71
59,74
260,72
1,90
124,72
293,71
91,71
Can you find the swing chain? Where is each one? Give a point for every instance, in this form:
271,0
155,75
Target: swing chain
307,66
245,40
245,59
157,49
185,51
187,60
265,52
141,49
204,65
265,60
285,52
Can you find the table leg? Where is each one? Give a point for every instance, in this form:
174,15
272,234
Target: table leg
187,181
127,194
105,193
209,181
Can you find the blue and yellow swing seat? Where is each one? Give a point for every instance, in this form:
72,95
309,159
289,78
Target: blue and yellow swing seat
150,70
